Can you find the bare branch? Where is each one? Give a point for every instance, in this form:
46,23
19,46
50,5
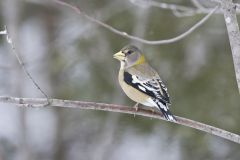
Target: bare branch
229,10
237,5
31,102
126,35
19,59
178,10
197,4
148,3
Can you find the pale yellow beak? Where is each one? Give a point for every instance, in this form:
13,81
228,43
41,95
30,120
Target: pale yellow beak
119,56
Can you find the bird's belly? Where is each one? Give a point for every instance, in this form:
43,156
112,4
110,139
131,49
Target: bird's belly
136,95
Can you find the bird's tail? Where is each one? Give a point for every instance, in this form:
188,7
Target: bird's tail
165,111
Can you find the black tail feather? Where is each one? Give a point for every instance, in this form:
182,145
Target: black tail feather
165,110
168,115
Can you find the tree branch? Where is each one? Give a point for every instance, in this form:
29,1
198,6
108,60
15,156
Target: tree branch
126,35
197,4
178,10
40,102
229,11
20,61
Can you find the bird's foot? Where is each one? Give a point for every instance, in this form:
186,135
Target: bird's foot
136,108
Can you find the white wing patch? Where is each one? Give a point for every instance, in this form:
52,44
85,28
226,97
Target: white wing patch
142,88
135,79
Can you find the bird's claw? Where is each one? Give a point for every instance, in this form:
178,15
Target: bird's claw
136,108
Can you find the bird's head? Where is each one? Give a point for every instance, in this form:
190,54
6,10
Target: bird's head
130,56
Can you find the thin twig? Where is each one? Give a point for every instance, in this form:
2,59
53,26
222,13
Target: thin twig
29,102
20,61
126,35
183,11
197,4
162,5
178,10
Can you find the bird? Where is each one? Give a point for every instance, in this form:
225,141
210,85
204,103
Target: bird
141,82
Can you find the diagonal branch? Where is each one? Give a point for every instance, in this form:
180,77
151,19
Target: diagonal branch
126,35
229,11
197,4
40,102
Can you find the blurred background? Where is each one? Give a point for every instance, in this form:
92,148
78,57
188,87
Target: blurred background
71,58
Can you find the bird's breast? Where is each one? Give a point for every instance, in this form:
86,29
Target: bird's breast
133,93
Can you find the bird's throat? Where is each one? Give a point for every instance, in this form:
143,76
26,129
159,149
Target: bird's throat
122,64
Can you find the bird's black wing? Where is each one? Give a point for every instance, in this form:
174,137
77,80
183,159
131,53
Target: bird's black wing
154,88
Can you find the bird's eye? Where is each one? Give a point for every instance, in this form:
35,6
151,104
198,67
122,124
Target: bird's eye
128,52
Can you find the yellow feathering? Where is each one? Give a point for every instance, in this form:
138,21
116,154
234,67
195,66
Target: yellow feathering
141,60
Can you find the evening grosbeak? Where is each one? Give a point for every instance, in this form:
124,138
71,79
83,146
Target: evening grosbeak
141,82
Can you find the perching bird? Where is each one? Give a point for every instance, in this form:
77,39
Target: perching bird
141,82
